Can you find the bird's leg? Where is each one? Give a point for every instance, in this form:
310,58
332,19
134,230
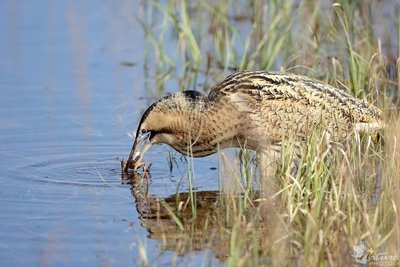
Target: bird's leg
268,164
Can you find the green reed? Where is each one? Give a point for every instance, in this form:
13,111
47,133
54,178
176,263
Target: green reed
334,195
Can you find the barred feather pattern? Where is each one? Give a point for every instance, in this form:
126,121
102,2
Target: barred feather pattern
259,109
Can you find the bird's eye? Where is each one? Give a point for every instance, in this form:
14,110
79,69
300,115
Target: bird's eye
143,131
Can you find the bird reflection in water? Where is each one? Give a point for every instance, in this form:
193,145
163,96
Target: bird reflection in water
184,226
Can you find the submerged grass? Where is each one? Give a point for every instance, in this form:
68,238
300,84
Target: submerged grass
335,196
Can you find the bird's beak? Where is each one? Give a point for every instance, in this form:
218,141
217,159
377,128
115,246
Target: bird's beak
140,146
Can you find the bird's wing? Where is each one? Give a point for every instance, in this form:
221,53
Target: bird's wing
250,87
276,86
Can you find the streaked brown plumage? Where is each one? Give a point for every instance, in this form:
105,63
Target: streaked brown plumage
255,108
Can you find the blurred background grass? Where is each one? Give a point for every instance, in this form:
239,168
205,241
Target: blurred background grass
350,44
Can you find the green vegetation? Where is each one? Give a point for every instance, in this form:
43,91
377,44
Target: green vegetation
338,196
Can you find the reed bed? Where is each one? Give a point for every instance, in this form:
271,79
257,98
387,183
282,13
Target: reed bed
337,196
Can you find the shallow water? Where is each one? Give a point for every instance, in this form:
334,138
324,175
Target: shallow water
71,93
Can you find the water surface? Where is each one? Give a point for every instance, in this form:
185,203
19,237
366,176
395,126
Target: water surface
71,93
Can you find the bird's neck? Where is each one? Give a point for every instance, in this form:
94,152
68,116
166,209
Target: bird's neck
205,128
215,127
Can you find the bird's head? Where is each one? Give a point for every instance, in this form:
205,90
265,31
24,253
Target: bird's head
161,123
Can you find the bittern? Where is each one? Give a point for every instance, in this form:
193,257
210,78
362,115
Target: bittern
254,108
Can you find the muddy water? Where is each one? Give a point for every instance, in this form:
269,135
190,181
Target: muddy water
71,93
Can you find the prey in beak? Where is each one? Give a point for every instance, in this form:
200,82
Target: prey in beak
140,146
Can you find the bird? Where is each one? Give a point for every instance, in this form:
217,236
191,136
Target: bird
255,109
